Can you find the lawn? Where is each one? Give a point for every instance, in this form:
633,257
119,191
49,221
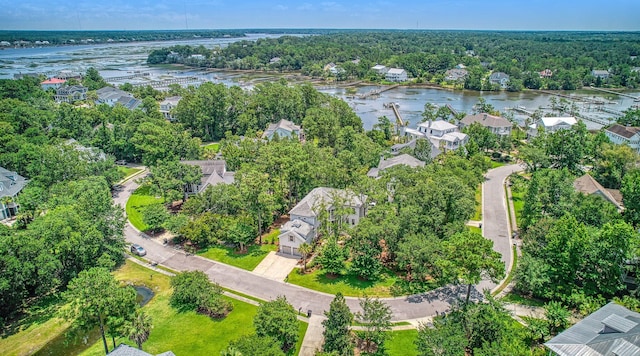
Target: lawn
477,216
475,229
185,333
402,343
228,255
210,150
349,285
127,172
138,200
518,204
495,164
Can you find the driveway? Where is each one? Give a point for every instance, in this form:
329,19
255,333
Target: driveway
275,266
495,227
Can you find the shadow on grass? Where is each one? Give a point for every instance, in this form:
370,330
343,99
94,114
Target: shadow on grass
41,311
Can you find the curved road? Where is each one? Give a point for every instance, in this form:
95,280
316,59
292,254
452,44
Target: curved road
495,227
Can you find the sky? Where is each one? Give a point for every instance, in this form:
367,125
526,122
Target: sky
612,15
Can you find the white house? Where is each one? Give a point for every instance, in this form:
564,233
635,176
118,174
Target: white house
54,83
284,128
167,106
69,94
442,134
11,183
403,159
551,124
305,216
213,172
380,69
602,74
496,124
396,75
620,135
499,78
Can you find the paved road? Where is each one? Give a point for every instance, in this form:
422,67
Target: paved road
403,308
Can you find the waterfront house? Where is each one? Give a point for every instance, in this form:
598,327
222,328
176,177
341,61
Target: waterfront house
602,74
283,128
214,172
499,78
456,74
442,134
305,216
610,330
551,124
54,83
547,73
496,124
167,106
11,183
113,96
411,145
396,75
587,185
380,69
621,135
403,159
70,94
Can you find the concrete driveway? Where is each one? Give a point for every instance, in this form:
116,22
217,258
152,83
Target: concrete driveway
275,266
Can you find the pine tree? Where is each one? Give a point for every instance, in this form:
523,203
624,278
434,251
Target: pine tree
337,336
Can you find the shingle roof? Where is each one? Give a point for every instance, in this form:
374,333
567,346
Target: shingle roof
486,120
403,159
214,172
11,183
624,131
298,228
611,330
553,121
588,185
395,71
282,124
310,203
438,125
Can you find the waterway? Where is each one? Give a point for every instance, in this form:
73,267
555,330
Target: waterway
121,59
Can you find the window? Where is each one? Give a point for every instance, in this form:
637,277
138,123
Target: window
291,238
353,221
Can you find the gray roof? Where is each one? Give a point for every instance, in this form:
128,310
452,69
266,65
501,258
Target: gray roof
310,203
213,172
11,183
126,350
71,90
485,120
611,330
298,228
497,76
118,96
283,124
403,159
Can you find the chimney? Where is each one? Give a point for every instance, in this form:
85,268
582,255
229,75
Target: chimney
484,117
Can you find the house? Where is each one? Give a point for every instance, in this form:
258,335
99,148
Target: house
620,135
587,185
274,60
442,134
547,73
70,94
5,43
496,124
551,124
403,159
283,128
396,75
11,183
167,106
113,96
67,74
214,172
333,69
612,330
602,74
456,74
305,216
380,69
126,350
398,147
88,154
54,83
499,78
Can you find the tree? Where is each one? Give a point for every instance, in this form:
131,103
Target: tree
631,196
557,316
93,80
253,345
376,317
305,249
443,339
277,319
337,333
139,328
423,150
469,257
332,257
366,250
429,113
169,179
154,216
193,291
93,296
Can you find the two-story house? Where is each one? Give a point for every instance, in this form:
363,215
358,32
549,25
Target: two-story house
396,75
167,106
621,135
380,69
70,94
283,128
403,159
444,135
305,217
54,83
11,183
113,96
496,124
551,124
499,78
213,172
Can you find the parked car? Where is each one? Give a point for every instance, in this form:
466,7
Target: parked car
138,250
121,162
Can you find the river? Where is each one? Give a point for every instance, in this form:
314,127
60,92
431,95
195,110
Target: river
117,59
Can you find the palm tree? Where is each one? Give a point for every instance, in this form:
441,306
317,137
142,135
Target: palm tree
139,328
305,249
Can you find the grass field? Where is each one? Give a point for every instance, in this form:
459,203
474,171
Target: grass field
128,171
477,216
136,203
518,204
185,333
402,343
518,299
349,285
228,255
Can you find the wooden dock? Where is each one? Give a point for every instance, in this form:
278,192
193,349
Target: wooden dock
636,98
572,97
376,91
